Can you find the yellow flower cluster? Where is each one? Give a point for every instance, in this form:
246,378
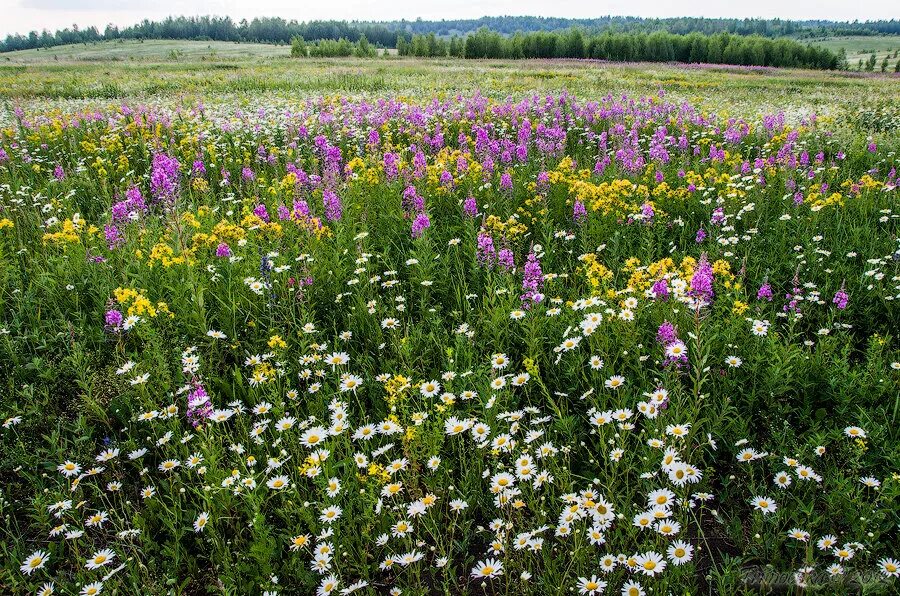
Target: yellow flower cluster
164,254
68,234
396,388
618,196
139,304
509,229
595,271
275,342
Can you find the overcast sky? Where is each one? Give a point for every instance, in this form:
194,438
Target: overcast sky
22,16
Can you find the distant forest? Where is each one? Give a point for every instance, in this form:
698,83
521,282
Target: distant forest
659,46
388,33
752,42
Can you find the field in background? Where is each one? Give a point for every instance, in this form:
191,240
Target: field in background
155,50
715,88
860,47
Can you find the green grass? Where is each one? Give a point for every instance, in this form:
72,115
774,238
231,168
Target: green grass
714,88
860,47
190,197
147,51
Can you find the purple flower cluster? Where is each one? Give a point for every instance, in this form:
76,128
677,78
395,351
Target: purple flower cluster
164,176
470,207
411,200
332,203
765,292
532,282
261,212
131,207
660,289
199,406
702,282
675,350
506,260
579,213
114,320
793,298
486,253
841,298
420,224
113,238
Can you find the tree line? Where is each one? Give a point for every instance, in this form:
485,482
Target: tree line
206,28
659,46
680,25
390,33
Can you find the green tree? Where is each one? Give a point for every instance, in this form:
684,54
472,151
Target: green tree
298,47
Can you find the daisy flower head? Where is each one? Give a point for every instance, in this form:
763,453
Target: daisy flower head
488,568
889,567
614,382
680,552
99,559
201,521
34,561
591,585
764,504
855,432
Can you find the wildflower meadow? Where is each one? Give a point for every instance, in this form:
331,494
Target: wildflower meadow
575,339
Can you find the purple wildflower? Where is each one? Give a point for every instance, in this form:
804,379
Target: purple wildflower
675,350
113,238
532,282
841,298
486,252
579,213
506,260
332,203
261,212
164,176
199,405
702,282
114,320
420,224
660,288
470,207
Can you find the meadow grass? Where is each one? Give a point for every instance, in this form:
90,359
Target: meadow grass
860,47
445,327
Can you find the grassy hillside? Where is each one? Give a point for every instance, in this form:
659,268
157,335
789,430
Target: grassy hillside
147,51
860,47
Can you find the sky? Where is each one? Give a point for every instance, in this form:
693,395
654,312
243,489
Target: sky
22,16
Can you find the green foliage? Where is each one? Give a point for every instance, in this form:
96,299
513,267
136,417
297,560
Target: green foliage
265,326
658,46
298,47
